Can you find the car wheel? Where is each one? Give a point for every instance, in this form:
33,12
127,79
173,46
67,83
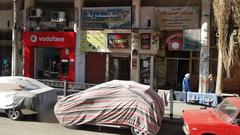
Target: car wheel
14,114
136,131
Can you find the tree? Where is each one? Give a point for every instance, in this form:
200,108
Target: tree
227,13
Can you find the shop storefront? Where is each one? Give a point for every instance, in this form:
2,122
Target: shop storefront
180,31
49,55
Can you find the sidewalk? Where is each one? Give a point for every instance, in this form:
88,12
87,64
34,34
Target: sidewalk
178,107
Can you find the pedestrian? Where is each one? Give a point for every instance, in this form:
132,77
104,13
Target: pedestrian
211,83
186,85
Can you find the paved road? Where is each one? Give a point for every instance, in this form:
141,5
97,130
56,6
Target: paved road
46,124
32,125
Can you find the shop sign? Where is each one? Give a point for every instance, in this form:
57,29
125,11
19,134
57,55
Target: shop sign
55,39
106,18
173,18
118,40
94,41
191,40
145,40
175,42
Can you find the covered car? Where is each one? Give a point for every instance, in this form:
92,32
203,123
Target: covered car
116,103
22,95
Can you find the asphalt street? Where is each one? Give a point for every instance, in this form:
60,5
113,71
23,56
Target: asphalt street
46,124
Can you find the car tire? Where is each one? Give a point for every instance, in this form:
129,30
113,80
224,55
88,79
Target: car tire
136,131
14,114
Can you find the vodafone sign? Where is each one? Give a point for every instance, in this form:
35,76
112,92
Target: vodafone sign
45,39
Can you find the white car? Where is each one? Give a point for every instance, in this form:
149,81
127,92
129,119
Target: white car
22,95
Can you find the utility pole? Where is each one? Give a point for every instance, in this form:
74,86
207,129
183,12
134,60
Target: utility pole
205,45
15,58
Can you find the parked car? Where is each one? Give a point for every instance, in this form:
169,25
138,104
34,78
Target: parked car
22,96
223,120
115,104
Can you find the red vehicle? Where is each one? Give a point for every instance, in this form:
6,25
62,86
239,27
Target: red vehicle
223,120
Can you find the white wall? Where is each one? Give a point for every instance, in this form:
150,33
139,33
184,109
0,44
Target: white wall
6,15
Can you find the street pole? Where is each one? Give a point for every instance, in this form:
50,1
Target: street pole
205,45
15,38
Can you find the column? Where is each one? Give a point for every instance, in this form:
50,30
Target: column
80,56
25,24
135,42
15,39
205,46
151,71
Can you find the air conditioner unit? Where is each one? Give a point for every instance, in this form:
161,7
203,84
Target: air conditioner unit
58,16
35,13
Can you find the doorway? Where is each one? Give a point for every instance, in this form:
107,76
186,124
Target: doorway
119,68
47,63
175,71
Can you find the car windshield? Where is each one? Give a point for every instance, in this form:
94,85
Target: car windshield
226,111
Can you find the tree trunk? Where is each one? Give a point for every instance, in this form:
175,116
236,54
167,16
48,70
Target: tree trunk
219,84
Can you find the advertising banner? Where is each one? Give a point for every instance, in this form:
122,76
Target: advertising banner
175,18
106,18
175,41
145,40
191,40
118,40
94,41
46,39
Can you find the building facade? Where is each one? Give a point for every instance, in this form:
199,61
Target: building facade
90,41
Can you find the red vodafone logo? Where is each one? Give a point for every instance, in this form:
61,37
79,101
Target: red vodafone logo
33,38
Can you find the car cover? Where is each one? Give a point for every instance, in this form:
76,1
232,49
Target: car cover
25,93
113,103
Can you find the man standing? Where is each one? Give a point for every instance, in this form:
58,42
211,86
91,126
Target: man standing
186,85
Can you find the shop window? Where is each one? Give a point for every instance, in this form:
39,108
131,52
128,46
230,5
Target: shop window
145,40
196,54
145,71
195,67
178,54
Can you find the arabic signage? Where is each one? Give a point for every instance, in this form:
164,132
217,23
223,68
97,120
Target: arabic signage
94,41
175,18
55,39
106,18
118,40
191,40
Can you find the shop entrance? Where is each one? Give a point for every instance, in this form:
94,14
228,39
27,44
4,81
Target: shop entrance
47,63
175,71
119,68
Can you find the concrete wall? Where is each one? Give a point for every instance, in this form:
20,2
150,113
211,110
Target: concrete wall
147,13
6,16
